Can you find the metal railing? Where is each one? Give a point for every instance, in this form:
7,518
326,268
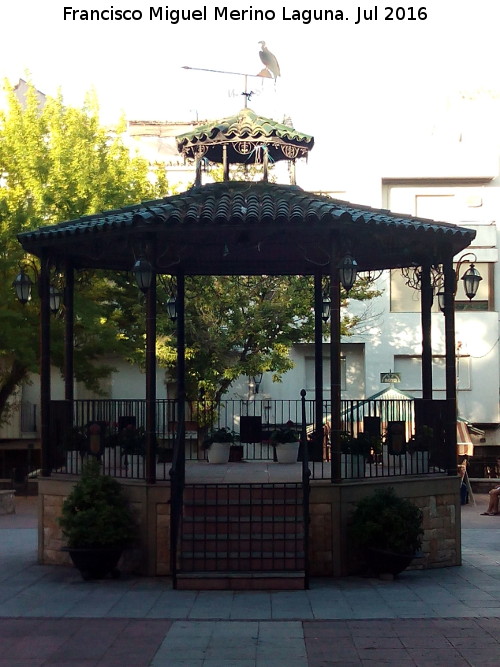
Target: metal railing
393,421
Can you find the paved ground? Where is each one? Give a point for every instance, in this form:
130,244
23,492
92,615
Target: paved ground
50,617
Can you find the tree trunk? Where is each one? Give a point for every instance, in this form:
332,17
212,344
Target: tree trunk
10,381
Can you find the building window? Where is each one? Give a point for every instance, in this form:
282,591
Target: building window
310,381
410,368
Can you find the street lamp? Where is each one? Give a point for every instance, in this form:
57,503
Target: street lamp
348,269
55,296
471,279
23,284
326,308
171,306
257,379
143,273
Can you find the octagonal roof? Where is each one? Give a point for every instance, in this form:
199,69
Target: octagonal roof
241,228
244,135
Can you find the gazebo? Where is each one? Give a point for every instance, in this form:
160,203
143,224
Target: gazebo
249,228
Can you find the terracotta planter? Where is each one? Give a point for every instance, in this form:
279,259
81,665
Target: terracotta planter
95,562
218,452
287,452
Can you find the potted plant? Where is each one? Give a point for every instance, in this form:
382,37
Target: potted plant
218,445
96,522
418,450
388,529
126,444
285,441
76,446
356,451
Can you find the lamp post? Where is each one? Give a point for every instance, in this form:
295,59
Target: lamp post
471,279
145,278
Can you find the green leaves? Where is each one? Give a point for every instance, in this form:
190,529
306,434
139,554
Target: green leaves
58,163
386,521
96,514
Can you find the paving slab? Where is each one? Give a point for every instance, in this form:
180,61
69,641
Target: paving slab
50,617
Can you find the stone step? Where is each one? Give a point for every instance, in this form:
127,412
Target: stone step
241,581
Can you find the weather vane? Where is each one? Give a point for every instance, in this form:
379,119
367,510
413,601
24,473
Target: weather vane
270,70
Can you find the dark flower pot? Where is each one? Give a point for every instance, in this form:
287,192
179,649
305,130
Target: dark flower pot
388,562
95,562
236,453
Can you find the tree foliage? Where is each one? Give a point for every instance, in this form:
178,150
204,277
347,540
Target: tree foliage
58,163
244,325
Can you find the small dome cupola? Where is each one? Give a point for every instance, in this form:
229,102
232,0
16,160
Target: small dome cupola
245,138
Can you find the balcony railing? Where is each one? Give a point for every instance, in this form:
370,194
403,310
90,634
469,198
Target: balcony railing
118,426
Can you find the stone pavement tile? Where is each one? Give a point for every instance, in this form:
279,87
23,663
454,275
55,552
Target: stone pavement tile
252,606
134,604
436,657
8,662
33,647
375,628
218,643
212,605
491,625
294,605
361,642
481,657
458,627
338,650
17,627
326,630
91,641
458,609
483,641
137,644
273,661
173,604
97,603
186,642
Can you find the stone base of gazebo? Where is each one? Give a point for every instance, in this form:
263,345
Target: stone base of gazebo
331,555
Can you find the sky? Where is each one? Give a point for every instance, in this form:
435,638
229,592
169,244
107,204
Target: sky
341,81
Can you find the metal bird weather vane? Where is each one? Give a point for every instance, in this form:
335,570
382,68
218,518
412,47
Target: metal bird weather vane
269,61
271,70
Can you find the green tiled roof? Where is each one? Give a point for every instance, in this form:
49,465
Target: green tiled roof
244,127
254,219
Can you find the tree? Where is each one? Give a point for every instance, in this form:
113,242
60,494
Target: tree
58,163
244,325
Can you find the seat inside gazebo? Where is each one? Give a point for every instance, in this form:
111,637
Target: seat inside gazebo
251,228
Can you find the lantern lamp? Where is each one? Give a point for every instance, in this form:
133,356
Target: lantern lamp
23,284
471,279
143,272
348,269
